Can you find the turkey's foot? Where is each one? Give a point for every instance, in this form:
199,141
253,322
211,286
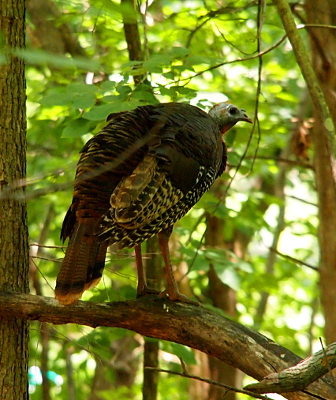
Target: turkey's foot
145,290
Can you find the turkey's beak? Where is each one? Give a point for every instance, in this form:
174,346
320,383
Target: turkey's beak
245,117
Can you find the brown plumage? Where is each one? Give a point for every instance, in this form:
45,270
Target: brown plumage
140,174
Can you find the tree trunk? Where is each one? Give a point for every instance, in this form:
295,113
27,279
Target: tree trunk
323,44
223,297
154,275
13,224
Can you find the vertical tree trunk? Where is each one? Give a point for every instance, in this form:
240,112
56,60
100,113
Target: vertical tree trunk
13,224
224,297
154,274
153,267
323,44
132,35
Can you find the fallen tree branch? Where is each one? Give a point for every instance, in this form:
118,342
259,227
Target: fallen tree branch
190,325
299,376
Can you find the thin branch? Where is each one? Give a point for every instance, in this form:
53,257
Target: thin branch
295,260
284,160
212,15
302,200
311,32
214,383
46,247
238,59
279,191
316,26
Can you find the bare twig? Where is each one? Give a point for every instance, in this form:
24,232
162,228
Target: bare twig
184,374
295,260
284,160
279,191
327,361
262,53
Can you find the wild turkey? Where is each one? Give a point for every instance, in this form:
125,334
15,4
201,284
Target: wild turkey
139,175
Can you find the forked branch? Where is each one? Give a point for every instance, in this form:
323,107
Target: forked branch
190,325
299,376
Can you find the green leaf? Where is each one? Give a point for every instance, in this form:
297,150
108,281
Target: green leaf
107,5
167,91
194,59
76,128
179,51
128,12
77,95
56,97
81,95
107,86
39,57
233,158
124,89
230,137
180,351
101,112
134,68
3,59
156,63
100,340
228,275
98,113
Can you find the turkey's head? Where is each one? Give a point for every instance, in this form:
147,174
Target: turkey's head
227,115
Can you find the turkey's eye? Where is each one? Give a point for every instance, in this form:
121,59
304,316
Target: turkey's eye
234,111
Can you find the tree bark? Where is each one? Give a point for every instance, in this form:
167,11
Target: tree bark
48,33
297,377
186,324
154,275
132,35
13,223
302,57
323,44
223,297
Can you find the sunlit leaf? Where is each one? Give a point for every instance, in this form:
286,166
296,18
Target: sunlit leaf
39,57
180,351
77,128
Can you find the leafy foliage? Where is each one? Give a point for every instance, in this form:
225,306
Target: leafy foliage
195,52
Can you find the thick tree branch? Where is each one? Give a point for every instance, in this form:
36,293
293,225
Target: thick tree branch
189,325
298,377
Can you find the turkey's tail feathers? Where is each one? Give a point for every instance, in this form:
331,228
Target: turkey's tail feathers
82,266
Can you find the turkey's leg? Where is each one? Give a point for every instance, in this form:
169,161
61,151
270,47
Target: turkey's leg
171,291
142,288
142,284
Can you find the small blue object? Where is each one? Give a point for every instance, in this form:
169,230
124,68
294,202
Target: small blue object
35,376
